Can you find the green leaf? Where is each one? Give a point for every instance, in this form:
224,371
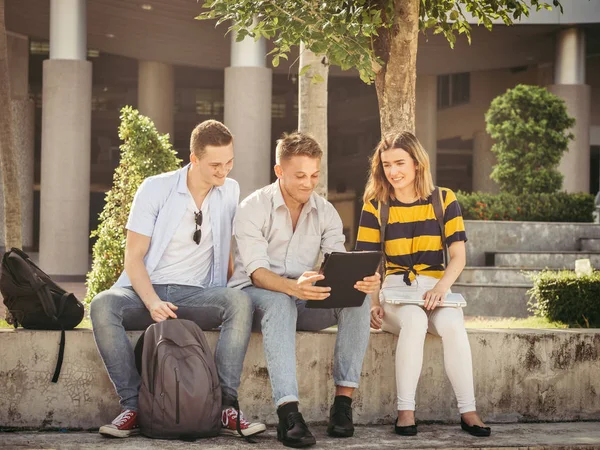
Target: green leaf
305,69
316,78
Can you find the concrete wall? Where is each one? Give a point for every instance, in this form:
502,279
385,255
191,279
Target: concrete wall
520,375
489,236
465,120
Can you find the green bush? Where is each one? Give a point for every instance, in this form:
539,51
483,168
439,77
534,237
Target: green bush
143,153
563,296
558,207
530,128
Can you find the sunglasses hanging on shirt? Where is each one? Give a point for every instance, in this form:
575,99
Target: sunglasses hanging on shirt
198,233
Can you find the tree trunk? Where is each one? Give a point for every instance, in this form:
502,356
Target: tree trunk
312,106
396,80
10,185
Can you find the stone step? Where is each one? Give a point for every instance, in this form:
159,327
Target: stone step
494,300
589,244
530,436
532,260
496,275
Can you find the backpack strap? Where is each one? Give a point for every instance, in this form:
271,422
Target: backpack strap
61,354
384,215
248,439
139,348
438,209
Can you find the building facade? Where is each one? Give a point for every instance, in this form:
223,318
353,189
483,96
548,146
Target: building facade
75,63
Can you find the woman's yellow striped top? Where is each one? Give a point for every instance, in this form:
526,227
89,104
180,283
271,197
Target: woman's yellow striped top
413,242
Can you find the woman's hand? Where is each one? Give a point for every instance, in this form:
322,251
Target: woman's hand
434,297
376,317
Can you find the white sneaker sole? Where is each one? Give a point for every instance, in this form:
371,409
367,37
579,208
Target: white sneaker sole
114,432
255,428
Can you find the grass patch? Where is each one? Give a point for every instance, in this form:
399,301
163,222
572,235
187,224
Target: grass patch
511,322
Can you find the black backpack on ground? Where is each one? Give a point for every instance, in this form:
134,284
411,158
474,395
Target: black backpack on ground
180,395
36,302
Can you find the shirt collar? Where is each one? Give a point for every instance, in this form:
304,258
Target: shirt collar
182,181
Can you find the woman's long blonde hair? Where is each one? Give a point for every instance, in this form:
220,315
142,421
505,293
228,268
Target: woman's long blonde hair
378,187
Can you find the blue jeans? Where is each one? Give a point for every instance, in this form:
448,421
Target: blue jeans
119,309
279,316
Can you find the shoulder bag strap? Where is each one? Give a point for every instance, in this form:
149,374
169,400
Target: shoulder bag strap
384,214
438,209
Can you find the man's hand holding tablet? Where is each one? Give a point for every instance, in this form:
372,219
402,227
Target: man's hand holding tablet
349,277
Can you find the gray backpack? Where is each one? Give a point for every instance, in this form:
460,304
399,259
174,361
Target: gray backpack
180,395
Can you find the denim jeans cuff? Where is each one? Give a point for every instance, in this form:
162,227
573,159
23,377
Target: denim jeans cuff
286,399
133,406
350,384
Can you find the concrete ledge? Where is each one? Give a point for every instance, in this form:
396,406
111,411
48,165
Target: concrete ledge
520,375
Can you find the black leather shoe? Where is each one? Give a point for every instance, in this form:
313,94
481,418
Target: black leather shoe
409,430
293,431
340,421
475,430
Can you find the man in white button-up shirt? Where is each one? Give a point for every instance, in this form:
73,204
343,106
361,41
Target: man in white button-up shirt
280,231
176,262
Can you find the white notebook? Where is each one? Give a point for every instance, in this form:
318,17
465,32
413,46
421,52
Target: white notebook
403,297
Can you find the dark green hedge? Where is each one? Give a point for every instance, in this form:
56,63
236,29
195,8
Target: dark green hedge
563,296
559,207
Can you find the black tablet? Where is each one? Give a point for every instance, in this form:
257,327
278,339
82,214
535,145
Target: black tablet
342,271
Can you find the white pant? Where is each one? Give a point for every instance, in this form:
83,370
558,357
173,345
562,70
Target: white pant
411,323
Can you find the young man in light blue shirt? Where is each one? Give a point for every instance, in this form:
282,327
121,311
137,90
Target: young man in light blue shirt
280,231
177,259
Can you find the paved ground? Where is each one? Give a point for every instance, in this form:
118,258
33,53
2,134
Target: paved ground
572,436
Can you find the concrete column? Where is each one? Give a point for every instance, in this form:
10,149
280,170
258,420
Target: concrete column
156,94
569,84
248,96
483,163
23,113
66,130
426,117
68,29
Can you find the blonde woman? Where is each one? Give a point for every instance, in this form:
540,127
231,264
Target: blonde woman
400,176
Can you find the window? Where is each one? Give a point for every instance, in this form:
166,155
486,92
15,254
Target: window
43,48
454,89
209,102
278,107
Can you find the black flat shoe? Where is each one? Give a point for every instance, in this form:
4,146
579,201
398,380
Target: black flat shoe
475,430
293,432
410,430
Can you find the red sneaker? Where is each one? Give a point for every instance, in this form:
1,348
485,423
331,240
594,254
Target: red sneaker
124,425
229,422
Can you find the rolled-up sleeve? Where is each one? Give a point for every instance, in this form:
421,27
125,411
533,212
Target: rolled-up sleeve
333,238
251,244
144,210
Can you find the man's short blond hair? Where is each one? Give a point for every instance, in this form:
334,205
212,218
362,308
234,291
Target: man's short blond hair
297,144
209,132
